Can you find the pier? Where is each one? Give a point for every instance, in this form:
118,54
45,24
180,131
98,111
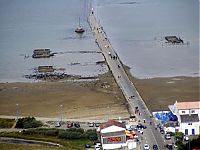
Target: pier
129,90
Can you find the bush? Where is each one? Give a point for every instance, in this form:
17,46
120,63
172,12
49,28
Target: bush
28,122
51,132
6,123
69,135
80,130
91,134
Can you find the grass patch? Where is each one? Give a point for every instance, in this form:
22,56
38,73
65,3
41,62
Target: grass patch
77,144
6,123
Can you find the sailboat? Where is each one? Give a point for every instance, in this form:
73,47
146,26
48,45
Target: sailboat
79,29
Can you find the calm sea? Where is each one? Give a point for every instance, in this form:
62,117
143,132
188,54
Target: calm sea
26,25
135,28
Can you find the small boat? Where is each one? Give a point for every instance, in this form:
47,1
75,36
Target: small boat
79,29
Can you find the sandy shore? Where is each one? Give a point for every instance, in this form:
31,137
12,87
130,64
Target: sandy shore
97,99
100,99
158,93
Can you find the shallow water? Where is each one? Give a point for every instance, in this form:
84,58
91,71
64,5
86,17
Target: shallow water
137,29
28,25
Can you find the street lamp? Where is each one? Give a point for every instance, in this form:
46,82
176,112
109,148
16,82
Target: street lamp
61,113
17,111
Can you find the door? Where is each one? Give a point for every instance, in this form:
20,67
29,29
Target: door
186,131
193,132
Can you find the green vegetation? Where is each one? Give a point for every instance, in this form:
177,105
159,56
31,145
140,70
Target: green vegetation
28,122
6,123
72,139
26,147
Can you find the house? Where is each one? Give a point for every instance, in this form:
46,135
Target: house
188,114
112,134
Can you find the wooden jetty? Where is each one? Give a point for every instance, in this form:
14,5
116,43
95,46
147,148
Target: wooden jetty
42,53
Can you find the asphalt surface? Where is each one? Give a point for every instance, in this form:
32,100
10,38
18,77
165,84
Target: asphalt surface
150,135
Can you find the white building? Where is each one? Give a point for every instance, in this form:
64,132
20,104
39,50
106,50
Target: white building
188,114
113,135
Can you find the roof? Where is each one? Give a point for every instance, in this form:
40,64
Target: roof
188,105
189,118
112,123
112,128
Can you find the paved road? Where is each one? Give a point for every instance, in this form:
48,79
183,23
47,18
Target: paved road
150,136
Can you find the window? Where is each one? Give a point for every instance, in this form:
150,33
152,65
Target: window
190,123
183,111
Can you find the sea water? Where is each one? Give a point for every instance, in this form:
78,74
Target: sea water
136,29
28,25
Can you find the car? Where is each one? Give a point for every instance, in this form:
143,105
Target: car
140,131
162,131
155,147
186,138
87,146
91,124
169,146
77,125
167,136
69,124
57,124
97,147
97,124
140,126
146,147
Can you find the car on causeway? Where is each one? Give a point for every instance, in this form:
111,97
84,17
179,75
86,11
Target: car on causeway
146,146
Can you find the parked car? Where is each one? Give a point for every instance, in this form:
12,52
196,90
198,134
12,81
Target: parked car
186,138
91,124
155,147
69,124
97,147
97,124
57,124
162,131
77,125
146,147
140,126
87,146
140,131
169,146
167,136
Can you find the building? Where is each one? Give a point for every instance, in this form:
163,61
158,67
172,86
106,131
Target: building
188,114
112,134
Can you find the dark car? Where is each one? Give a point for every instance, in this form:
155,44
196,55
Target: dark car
69,124
169,146
87,146
155,147
140,126
77,125
161,131
97,124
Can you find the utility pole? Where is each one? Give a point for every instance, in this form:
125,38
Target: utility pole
17,111
61,113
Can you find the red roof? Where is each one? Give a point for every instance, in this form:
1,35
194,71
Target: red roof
188,105
111,123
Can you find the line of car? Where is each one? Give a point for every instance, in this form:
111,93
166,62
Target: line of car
70,124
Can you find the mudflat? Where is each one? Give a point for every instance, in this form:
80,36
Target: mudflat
158,93
98,99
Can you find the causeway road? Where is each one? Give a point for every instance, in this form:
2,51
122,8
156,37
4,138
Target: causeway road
131,94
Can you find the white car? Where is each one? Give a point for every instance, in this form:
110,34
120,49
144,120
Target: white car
146,147
97,147
167,136
140,131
